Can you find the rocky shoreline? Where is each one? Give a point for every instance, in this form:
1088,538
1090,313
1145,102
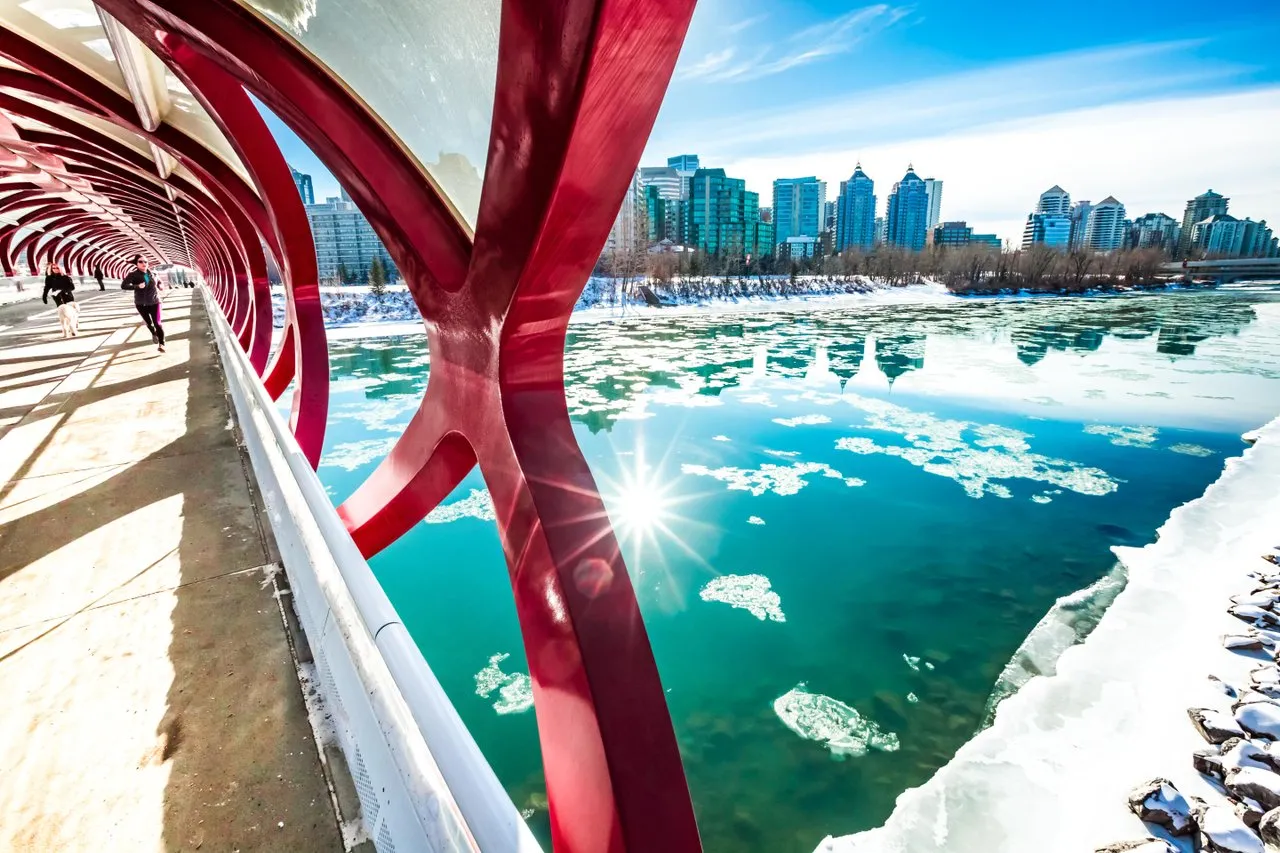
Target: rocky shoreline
1241,756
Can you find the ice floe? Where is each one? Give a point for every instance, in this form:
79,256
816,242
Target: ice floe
816,717
940,446
476,505
355,454
752,593
803,420
514,689
1190,450
755,519
1125,436
774,479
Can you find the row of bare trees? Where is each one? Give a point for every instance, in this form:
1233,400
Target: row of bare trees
972,268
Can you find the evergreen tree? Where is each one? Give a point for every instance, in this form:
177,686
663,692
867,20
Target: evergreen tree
377,277
342,274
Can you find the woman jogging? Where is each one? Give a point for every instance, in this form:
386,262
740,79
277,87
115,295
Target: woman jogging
68,311
146,297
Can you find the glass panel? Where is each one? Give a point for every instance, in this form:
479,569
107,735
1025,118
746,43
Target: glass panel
427,67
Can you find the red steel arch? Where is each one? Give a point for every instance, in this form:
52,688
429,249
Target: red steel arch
578,87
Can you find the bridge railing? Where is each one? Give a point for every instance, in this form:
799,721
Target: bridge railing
422,782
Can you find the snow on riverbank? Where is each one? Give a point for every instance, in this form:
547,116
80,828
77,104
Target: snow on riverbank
352,312
1054,771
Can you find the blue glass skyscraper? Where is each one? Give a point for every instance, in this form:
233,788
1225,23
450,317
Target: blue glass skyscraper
908,215
856,213
797,208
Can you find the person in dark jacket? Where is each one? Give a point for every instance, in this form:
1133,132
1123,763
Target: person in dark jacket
146,297
61,286
97,273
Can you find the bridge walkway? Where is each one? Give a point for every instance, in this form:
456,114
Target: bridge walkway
150,695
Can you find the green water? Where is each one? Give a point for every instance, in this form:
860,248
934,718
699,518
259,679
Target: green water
918,483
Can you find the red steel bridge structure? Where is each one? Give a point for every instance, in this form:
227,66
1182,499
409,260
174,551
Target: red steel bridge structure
162,151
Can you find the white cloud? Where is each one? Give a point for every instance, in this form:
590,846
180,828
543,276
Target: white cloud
820,41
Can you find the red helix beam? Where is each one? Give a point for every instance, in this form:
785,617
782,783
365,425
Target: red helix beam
578,87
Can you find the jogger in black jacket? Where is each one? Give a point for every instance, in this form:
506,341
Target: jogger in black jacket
60,286
146,297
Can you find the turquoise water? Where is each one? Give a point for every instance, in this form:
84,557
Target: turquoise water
842,523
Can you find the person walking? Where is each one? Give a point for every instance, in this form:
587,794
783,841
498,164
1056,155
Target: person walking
68,311
146,297
97,273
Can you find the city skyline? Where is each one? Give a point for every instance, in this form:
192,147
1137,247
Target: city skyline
1100,102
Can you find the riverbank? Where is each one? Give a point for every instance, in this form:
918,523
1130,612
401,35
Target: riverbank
353,311
1054,771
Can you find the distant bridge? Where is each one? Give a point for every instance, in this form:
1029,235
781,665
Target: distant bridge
1227,269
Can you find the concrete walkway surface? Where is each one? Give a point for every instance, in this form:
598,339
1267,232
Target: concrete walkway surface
149,699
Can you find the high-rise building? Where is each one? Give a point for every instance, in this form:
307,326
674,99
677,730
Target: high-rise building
1155,231
303,183
797,208
856,214
952,234
1047,229
720,212
629,232
933,191
906,219
685,165
665,179
345,242
762,243
1224,236
1080,224
1199,209
882,230
1106,229
1055,201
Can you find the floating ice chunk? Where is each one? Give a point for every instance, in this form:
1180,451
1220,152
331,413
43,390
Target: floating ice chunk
820,718
755,519
776,479
783,454
928,666
913,662
940,447
355,454
1125,436
476,505
803,420
752,593
515,690
1042,499
721,438
1191,450
913,698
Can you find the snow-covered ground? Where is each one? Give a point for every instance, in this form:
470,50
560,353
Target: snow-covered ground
1053,772
32,287
352,312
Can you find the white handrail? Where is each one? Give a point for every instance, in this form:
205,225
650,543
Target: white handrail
428,787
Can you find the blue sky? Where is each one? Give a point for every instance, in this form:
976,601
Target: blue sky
1150,102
